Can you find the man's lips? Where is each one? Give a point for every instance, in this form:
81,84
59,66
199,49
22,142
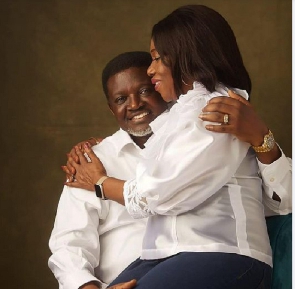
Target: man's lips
139,116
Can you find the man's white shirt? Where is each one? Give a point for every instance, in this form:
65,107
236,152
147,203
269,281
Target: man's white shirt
92,237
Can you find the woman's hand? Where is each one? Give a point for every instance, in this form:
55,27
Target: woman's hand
88,168
243,122
69,169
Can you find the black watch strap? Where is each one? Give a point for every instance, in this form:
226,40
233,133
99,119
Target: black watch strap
99,188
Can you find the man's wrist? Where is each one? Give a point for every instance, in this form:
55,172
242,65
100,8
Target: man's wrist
259,139
269,157
267,145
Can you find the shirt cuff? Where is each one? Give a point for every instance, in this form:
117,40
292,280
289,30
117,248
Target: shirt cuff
272,174
79,278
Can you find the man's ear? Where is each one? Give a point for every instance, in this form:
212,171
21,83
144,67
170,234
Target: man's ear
110,109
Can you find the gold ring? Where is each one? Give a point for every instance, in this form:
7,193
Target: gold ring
225,119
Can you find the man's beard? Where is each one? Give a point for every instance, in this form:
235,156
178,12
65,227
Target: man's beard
140,133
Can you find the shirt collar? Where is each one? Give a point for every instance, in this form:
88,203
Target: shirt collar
121,140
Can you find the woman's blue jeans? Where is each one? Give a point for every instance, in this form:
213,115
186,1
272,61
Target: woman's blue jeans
198,270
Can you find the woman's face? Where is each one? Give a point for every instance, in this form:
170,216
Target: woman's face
161,76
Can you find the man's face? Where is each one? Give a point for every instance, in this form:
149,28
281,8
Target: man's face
134,101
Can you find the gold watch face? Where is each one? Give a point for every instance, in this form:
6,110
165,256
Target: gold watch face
270,142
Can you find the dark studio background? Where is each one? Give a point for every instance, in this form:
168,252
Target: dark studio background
52,53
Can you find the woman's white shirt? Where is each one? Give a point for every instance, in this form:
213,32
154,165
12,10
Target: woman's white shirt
201,190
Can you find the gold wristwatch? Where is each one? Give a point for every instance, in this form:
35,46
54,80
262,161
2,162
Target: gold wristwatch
268,143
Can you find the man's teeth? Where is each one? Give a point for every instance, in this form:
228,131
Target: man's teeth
140,115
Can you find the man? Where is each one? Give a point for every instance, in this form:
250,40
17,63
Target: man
84,223
93,240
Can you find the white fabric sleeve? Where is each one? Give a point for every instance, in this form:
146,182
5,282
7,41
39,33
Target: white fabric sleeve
183,166
74,241
277,178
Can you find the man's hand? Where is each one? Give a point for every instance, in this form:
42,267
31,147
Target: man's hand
126,285
243,121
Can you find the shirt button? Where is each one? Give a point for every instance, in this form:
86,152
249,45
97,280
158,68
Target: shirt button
272,179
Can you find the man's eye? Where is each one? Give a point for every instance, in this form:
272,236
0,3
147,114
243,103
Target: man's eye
120,99
145,91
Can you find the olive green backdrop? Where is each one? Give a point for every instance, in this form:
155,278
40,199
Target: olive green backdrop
52,54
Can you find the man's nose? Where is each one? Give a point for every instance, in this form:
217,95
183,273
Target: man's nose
135,102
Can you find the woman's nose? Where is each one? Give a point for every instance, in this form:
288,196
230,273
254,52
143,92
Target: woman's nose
151,70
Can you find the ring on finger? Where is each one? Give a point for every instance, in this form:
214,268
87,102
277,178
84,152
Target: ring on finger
225,119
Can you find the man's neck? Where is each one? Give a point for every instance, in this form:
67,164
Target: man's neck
140,140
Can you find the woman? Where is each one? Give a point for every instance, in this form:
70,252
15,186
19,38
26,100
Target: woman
200,190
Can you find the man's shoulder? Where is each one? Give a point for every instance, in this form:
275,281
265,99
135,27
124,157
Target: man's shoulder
109,140
112,144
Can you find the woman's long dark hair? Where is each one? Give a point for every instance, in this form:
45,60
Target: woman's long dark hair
197,43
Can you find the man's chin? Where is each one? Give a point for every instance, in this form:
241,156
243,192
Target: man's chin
141,132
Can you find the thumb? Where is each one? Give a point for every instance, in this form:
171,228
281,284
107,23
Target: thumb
128,285
124,285
238,97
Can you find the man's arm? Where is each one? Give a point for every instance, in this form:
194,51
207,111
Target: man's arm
74,241
243,122
246,125
277,186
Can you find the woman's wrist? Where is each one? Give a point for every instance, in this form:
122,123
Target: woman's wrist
113,190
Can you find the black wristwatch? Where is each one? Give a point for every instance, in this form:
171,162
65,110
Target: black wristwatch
99,188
